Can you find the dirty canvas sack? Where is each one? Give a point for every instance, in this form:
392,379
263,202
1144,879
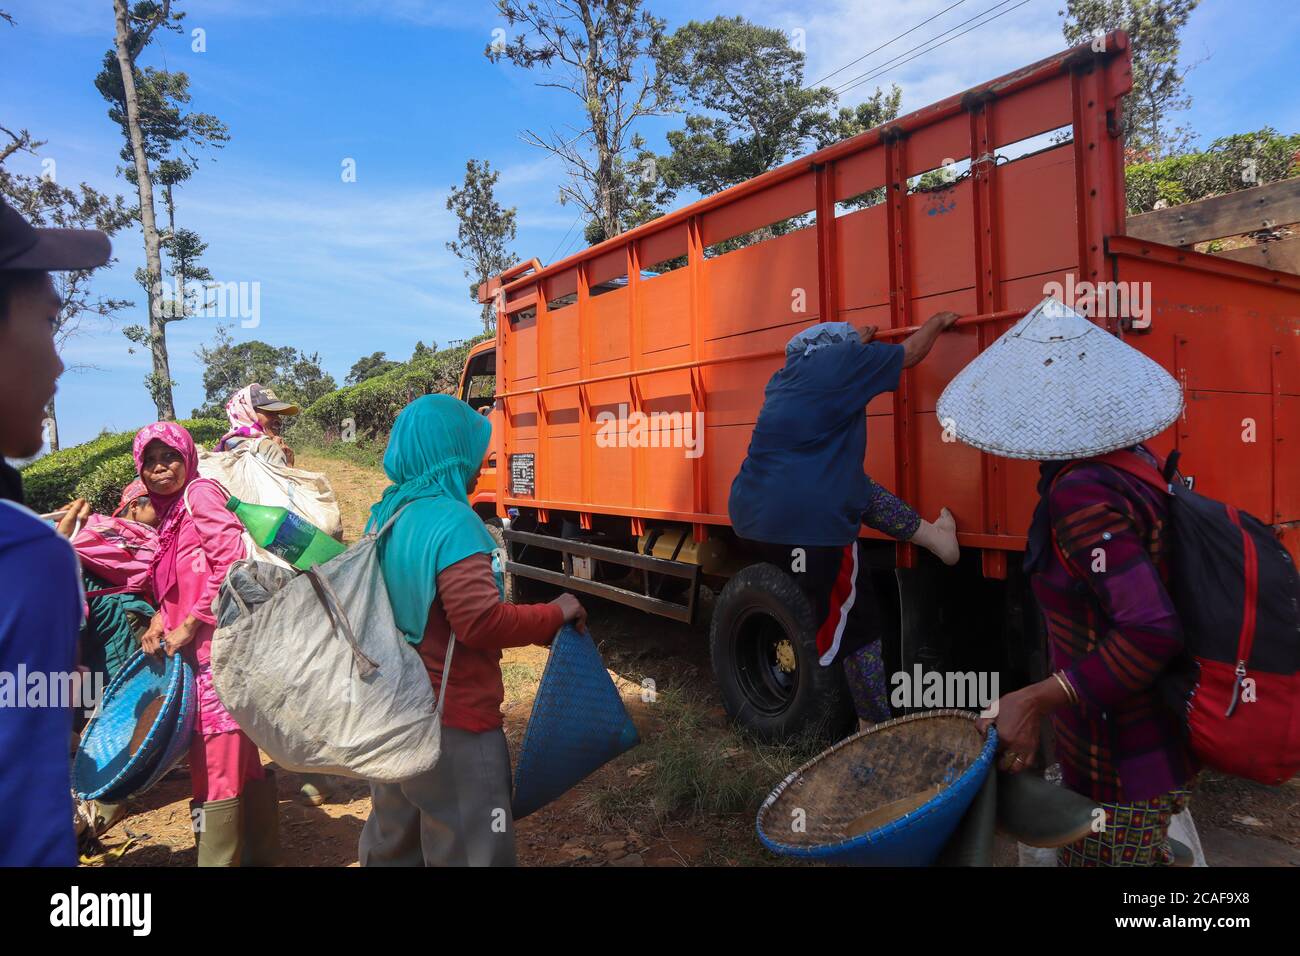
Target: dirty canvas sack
251,477
320,677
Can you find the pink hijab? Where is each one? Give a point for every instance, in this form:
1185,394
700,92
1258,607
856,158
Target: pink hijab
243,417
170,509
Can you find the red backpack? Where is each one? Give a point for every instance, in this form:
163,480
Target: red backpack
1237,593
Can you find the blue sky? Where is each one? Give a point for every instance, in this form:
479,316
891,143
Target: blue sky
403,88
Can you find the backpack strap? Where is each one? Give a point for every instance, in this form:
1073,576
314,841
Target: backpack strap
1123,460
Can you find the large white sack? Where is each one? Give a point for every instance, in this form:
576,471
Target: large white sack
320,677
254,477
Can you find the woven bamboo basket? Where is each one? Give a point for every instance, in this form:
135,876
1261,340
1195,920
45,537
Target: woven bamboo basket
891,795
140,728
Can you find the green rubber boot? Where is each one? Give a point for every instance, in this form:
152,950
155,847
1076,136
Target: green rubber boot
261,821
1038,813
217,831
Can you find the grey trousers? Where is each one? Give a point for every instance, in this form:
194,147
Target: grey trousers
457,814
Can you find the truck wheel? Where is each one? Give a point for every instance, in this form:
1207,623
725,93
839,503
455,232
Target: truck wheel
763,645
511,584
519,590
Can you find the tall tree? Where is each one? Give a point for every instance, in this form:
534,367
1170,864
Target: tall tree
228,366
150,107
599,52
1153,27
46,203
484,230
747,108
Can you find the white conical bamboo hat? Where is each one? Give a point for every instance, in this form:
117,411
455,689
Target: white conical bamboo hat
1056,386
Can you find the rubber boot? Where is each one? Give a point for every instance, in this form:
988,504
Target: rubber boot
261,821
218,833
1039,813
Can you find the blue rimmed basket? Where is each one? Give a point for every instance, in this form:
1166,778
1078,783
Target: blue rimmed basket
104,767
183,731
811,813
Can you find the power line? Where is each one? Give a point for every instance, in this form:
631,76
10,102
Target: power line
883,45
562,238
890,69
875,69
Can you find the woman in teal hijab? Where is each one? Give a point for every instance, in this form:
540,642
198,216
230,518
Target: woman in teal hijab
433,458
437,561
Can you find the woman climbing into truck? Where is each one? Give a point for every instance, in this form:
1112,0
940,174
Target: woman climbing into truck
801,494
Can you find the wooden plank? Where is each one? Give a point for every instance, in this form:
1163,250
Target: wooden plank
1283,255
1246,210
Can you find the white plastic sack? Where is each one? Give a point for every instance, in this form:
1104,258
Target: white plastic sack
251,474
320,677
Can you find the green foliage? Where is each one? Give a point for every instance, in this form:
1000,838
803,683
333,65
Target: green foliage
1230,163
748,111
229,366
1153,27
171,133
371,406
749,108
97,470
599,53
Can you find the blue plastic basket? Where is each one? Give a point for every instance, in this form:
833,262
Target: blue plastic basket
578,724
182,733
104,768
808,814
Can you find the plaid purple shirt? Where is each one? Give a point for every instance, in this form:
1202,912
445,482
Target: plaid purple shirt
1112,628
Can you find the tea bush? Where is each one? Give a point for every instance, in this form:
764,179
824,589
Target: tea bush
97,470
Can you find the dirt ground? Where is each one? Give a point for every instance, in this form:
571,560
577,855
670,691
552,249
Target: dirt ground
685,797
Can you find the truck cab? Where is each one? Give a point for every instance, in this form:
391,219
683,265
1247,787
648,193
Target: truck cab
477,389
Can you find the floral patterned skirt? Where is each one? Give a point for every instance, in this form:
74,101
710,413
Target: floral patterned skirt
1136,834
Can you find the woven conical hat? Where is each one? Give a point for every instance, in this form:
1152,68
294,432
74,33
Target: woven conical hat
1056,386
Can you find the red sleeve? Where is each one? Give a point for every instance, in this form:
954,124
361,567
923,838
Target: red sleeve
479,618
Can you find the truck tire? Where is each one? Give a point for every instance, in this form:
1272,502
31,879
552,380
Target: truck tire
511,584
763,646
519,590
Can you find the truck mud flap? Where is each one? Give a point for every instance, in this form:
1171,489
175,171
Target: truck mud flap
642,600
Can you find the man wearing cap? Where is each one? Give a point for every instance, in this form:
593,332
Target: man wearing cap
254,412
1063,391
40,591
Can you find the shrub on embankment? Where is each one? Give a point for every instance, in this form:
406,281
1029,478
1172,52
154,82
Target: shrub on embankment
366,410
97,470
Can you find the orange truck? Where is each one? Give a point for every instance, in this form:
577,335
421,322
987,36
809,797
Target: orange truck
624,381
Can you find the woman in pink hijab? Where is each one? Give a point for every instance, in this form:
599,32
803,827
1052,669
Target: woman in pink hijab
235,805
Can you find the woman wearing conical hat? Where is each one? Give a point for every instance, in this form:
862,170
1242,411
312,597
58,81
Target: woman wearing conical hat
1061,390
